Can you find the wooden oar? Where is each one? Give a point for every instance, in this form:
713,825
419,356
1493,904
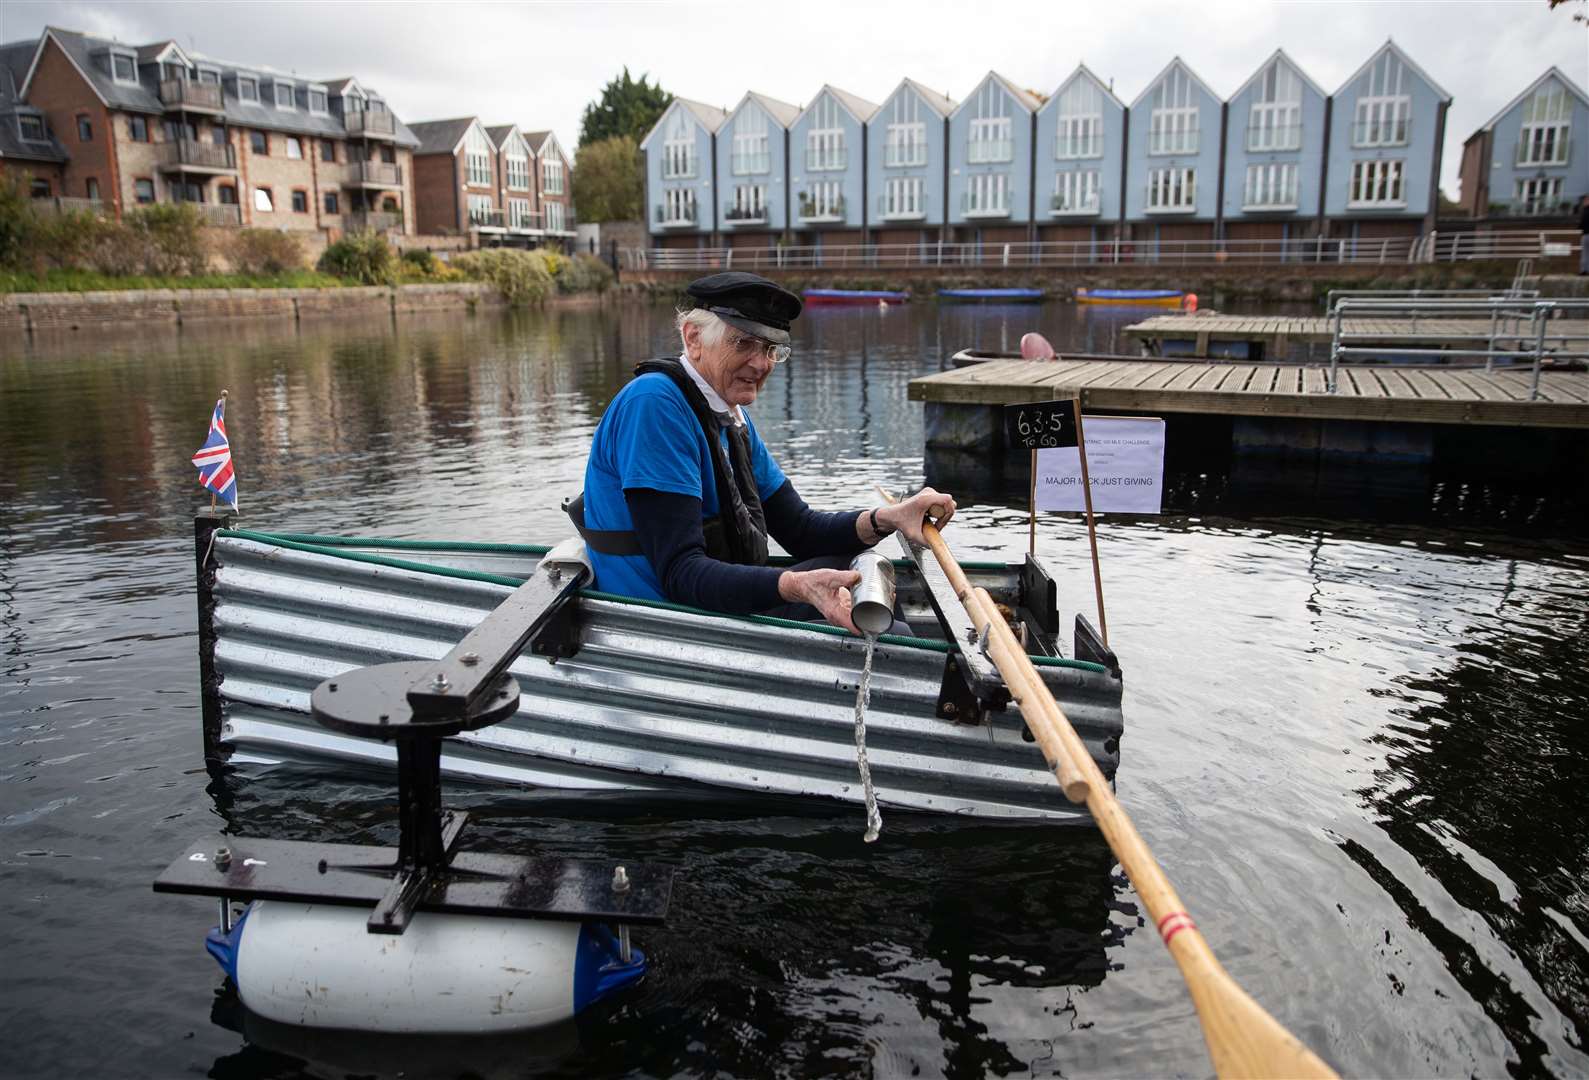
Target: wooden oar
1243,1040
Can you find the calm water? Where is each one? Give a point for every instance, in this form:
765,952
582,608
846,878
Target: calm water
1357,743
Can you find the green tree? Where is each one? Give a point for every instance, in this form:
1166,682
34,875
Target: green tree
609,181
626,107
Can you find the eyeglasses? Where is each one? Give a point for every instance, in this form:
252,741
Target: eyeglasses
747,346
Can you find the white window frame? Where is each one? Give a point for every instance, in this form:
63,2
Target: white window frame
1537,194
480,204
1076,192
1172,190
251,85
823,200
990,140
1377,182
678,148
1544,136
752,155
324,106
556,217
1271,186
1383,114
825,150
517,168
552,175
116,76
904,199
292,95
678,206
1274,121
23,119
987,195
477,152
1079,136
752,200
519,213
1174,127
905,145
294,147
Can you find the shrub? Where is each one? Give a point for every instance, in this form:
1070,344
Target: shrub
264,251
19,225
362,257
169,238
585,273
522,277
421,260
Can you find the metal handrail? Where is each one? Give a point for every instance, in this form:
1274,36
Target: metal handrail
1538,313
1417,294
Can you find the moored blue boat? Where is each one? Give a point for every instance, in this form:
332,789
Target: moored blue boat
1002,296
854,296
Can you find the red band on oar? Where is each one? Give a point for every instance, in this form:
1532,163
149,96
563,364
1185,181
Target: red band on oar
1174,923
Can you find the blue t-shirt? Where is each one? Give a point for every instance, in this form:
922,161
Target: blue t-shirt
649,438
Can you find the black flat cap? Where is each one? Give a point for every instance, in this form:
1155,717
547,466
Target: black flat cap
748,301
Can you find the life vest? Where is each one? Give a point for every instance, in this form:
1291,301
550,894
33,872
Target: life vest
737,533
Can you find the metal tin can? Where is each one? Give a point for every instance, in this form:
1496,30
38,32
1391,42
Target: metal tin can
872,607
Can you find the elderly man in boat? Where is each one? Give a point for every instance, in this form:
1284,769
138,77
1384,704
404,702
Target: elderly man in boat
681,494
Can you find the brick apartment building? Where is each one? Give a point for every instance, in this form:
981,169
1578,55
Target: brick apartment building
497,185
137,124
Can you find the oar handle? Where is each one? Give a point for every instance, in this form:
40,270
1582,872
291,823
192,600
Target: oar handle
1243,1040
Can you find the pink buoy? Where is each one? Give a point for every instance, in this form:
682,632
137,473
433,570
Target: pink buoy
1035,346
1189,302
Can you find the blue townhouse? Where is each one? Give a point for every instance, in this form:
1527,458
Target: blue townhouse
1274,155
1172,158
1525,167
827,168
1081,132
752,172
907,171
1387,123
990,163
681,189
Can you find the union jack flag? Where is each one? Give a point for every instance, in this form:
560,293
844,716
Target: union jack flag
214,458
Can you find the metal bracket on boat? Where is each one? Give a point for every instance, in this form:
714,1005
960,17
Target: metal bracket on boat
972,670
416,704
956,700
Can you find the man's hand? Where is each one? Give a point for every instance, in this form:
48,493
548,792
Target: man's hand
907,515
826,590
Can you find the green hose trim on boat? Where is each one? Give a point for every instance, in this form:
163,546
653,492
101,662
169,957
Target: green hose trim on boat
330,545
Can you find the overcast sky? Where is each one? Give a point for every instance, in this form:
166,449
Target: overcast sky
538,64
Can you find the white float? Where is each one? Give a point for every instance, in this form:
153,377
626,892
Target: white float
316,965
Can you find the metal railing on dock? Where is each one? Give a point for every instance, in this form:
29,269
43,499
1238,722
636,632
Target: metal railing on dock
1509,328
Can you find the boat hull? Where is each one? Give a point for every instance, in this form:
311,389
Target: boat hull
656,697
1131,297
854,296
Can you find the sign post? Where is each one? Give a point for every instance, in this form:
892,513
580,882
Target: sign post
1045,425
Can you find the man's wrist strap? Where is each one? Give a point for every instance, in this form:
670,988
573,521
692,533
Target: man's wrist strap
878,530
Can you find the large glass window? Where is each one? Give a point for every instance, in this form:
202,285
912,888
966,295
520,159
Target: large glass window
123,68
750,153
1080,109
477,158
552,175
1384,107
750,203
1075,192
825,137
823,201
1540,195
678,206
1376,183
902,198
284,95
987,195
1275,119
1270,187
518,170
1547,125
1172,190
1173,124
678,146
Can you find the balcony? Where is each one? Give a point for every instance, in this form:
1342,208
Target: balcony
1066,206
813,212
744,215
487,219
1167,197
751,164
1269,202
1543,153
1541,207
528,223
190,155
221,215
830,159
904,155
981,151
1278,137
1069,147
676,217
193,96
370,125
972,208
372,174
372,221
1381,132
1173,142
64,204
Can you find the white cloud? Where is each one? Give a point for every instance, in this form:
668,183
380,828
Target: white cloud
539,64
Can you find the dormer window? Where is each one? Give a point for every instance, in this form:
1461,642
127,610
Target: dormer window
352,103
209,76
123,67
247,88
284,95
317,102
173,71
32,128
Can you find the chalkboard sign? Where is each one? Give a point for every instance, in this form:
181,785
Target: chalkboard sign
1038,425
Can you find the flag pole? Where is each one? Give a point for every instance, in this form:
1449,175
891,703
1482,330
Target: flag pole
1092,532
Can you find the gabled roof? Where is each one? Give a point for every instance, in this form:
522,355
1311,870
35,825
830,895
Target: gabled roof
1025,98
1175,61
708,116
1553,70
1083,71
938,103
149,54
343,85
1278,54
442,136
854,104
501,133
14,60
1391,46
781,111
538,142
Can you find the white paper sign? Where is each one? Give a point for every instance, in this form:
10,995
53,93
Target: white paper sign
1125,461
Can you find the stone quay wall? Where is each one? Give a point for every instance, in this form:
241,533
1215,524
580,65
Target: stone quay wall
33,313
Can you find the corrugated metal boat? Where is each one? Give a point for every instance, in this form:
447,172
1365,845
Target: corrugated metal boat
628,695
